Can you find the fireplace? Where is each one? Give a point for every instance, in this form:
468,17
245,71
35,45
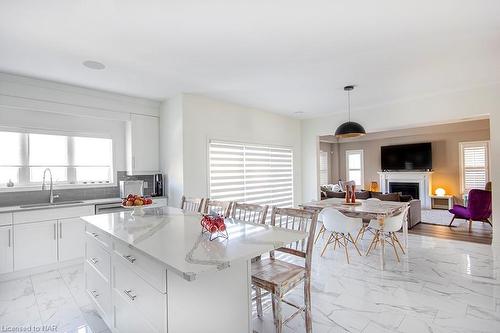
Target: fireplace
422,178
405,188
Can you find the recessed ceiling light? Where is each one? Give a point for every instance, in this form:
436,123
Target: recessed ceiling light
94,64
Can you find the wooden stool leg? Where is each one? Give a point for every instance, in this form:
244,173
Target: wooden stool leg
258,300
307,301
278,316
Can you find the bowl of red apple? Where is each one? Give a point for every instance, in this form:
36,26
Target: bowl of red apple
136,203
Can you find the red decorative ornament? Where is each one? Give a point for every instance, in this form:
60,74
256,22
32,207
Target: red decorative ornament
214,225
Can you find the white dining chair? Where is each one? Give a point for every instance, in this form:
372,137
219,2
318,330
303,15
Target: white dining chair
388,230
366,222
341,229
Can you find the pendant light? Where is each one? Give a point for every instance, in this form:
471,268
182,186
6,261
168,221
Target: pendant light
349,129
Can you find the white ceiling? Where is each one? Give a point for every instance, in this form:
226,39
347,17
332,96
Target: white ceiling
283,56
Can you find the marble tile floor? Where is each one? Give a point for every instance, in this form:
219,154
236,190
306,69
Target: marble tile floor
440,286
55,299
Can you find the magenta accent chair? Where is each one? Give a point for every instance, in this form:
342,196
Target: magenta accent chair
478,208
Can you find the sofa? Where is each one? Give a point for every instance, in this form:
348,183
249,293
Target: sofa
414,214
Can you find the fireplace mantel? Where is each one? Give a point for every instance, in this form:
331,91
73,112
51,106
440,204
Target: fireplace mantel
423,178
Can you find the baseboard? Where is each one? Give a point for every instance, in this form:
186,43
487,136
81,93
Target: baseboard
40,269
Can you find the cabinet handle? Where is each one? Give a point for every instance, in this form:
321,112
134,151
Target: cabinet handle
9,237
55,232
94,293
129,258
128,292
94,260
94,234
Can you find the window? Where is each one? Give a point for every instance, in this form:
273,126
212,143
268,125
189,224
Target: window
71,159
354,166
323,168
251,173
474,165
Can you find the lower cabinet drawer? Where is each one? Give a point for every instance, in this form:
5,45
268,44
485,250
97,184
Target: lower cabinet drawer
126,317
98,290
99,235
149,269
148,302
96,256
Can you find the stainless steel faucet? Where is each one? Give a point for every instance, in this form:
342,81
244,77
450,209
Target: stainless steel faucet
51,189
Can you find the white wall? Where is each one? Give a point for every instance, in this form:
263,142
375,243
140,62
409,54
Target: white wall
41,104
204,119
444,108
171,147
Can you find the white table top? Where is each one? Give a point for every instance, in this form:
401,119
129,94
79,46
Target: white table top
366,208
174,238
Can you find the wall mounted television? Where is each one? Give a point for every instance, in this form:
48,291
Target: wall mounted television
409,157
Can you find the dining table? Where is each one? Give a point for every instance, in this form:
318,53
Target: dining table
366,210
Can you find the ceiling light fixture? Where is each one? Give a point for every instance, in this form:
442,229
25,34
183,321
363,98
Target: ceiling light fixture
94,64
349,129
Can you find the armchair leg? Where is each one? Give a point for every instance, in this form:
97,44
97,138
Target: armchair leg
354,243
470,225
374,240
345,248
328,241
453,219
321,231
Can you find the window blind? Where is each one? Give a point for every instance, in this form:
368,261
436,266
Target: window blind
323,167
474,165
251,173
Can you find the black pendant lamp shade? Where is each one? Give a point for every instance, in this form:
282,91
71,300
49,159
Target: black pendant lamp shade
349,129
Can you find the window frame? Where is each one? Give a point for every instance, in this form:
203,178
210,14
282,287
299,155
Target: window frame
25,182
461,146
362,164
230,141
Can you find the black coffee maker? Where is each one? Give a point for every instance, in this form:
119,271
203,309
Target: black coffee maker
158,185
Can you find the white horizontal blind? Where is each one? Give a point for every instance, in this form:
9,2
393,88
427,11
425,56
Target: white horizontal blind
251,173
474,165
323,167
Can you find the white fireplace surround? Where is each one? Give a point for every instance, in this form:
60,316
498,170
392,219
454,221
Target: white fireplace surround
423,178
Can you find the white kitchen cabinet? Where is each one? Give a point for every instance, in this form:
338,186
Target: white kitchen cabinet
143,144
35,244
6,250
71,237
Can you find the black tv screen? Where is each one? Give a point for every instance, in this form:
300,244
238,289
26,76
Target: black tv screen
407,157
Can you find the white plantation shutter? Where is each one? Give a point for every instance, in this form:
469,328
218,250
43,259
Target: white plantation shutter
251,173
474,165
323,167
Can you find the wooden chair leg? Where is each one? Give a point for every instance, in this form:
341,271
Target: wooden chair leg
453,219
328,241
397,241
278,316
258,300
354,243
345,248
375,238
470,225
394,246
321,231
336,242
308,304
360,232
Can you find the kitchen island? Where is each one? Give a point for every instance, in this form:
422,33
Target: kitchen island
158,272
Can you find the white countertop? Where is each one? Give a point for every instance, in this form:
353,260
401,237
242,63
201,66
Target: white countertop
10,209
174,238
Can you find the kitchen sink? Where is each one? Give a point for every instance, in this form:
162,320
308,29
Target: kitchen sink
46,204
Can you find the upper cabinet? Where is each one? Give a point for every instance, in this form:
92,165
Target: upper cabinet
143,144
